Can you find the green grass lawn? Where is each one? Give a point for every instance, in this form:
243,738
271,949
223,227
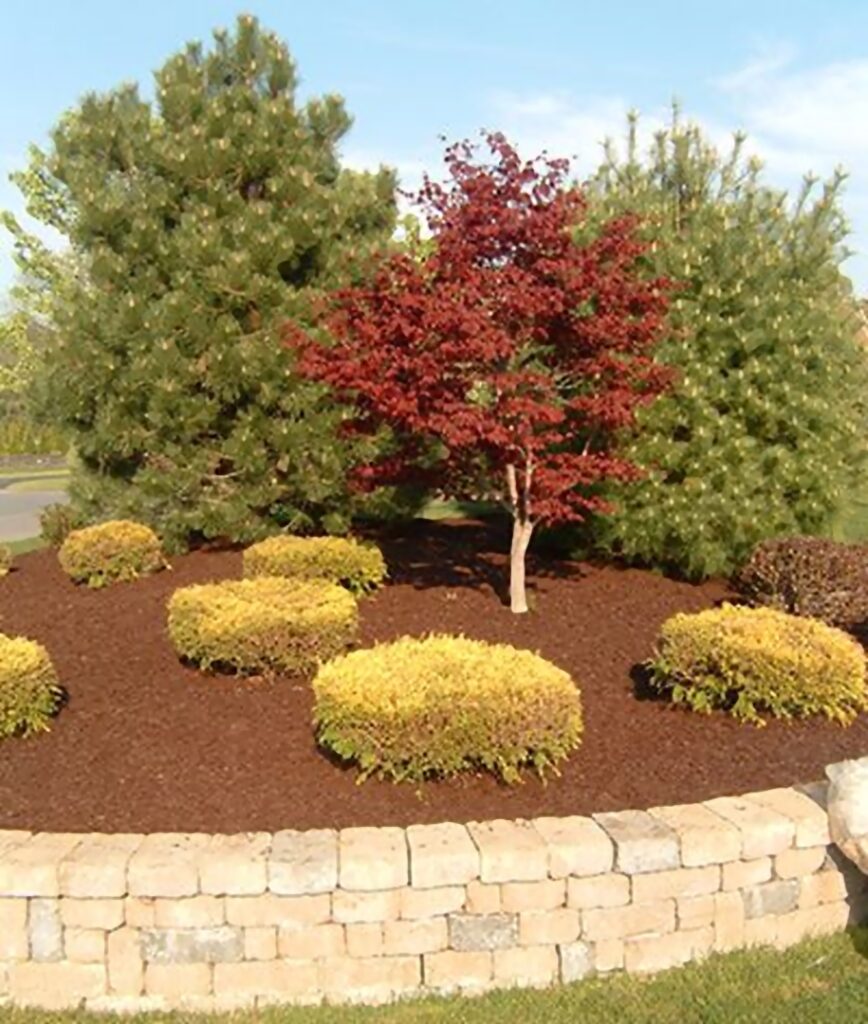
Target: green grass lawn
21,547
823,981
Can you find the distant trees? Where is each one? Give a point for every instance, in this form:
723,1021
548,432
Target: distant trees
764,431
200,221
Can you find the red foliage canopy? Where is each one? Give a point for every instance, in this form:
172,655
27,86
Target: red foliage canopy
506,354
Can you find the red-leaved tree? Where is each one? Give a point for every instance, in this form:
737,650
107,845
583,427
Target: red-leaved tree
504,355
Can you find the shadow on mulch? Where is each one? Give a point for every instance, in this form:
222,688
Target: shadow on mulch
463,554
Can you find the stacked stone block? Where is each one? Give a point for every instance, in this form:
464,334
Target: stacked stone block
122,922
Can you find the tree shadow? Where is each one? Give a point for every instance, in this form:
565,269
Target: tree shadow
460,553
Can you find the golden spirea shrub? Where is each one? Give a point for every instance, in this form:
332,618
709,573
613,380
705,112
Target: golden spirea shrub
29,690
443,704
358,567
262,625
111,552
5,559
751,661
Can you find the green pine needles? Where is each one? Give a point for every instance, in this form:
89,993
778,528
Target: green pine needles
199,223
763,433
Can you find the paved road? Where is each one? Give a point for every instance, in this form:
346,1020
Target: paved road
19,513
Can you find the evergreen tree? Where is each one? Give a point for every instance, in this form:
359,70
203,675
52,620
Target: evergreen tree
763,433
201,221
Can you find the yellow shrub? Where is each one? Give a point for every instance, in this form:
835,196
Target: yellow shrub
443,704
109,552
754,660
5,559
358,567
267,624
29,690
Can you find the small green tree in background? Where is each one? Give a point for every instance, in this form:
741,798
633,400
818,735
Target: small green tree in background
200,221
764,431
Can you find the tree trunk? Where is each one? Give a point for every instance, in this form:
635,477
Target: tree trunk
521,534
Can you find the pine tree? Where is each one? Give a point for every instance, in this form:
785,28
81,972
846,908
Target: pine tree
201,221
763,433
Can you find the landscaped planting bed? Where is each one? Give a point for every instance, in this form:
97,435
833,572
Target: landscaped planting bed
145,743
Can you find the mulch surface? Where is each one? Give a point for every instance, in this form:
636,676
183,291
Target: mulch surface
146,744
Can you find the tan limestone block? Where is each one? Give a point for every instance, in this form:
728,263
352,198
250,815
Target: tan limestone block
742,874
269,909
764,832
548,927
624,922
55,986
510,851
413,938
826,919
441,855
126,969
609,955
602,891
642,843
482,898
373,859
547,895
178,980
681,882
318,942
234,865
703,836
658,953
822,887
189,912
809,817
365,939
283,979
301,863
729,921
13,929
535,967
106,914
97,867
371,980
31,867
452,971
800,863
260,943
420,903
576,846
356,907
166,864
139,911
85,945
695,912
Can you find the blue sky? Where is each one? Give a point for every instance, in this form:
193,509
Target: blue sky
555,74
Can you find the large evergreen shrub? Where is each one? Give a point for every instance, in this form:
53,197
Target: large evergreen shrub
764,431
198,221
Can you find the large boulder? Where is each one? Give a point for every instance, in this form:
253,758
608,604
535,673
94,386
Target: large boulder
847,805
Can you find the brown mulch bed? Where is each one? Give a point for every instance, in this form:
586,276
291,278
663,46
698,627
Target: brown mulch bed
147,744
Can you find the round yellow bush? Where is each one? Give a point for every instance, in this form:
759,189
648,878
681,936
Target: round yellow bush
110,552
444,704
356,566
261,625
751,661
29,690
5,559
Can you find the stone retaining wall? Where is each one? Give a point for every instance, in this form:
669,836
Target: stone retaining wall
371,914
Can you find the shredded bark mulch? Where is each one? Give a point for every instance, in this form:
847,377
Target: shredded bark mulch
146,744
